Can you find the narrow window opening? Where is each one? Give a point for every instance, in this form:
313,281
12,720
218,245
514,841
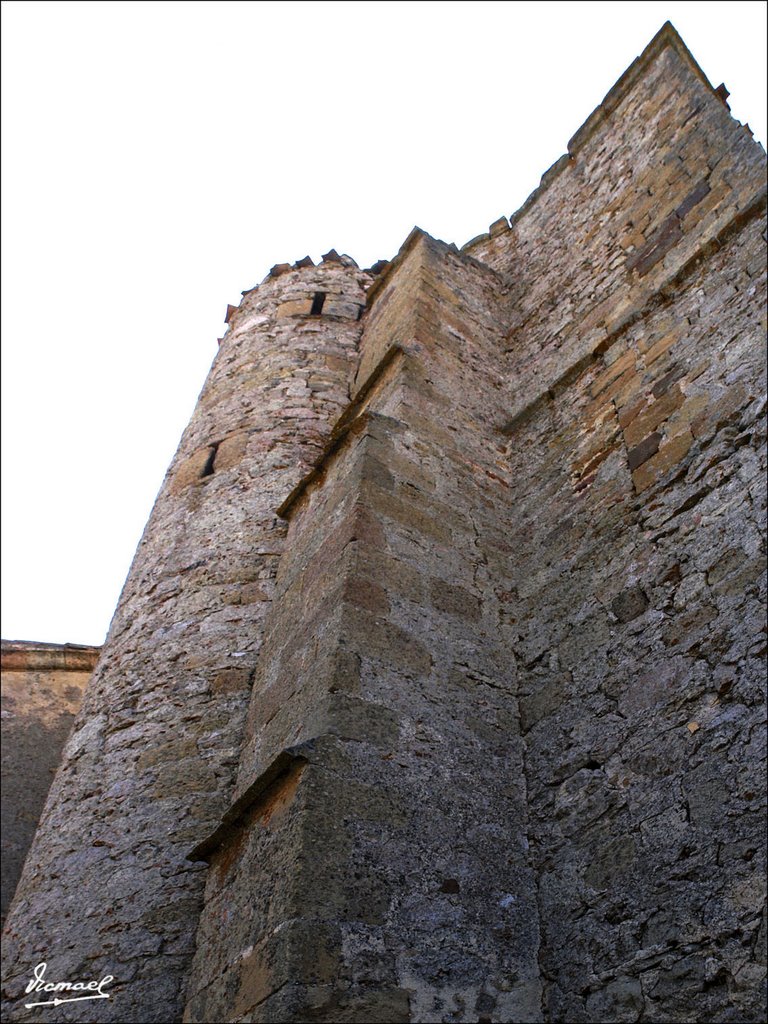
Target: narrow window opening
207,469
317,304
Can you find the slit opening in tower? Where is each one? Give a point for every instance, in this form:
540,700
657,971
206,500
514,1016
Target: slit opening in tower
317,304
207,469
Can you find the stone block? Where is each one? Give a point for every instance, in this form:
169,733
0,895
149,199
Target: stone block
669,454
295,307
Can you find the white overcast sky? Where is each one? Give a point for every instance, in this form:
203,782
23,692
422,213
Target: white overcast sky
159,157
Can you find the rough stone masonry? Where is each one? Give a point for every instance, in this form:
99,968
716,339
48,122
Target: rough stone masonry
41,689
435,691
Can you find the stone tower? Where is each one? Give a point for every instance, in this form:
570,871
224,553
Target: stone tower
434,690
152,757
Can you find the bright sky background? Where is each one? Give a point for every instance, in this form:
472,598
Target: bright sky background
159,157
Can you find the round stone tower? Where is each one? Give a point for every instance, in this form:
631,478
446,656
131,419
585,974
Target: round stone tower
149,767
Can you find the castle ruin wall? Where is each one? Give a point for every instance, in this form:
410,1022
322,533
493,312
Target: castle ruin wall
435,690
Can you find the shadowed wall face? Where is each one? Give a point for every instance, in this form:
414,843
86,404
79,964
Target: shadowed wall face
42,686
639,605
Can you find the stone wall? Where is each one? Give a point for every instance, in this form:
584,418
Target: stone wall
385,702
41,689
442,646
634,369
150,765
656,174
637,619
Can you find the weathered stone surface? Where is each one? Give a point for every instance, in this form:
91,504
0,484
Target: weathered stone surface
474,730
430,696
636,757
150,765
42,686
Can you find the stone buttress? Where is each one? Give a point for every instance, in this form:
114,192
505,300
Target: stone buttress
375,865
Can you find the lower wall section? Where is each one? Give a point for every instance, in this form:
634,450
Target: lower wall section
42,685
